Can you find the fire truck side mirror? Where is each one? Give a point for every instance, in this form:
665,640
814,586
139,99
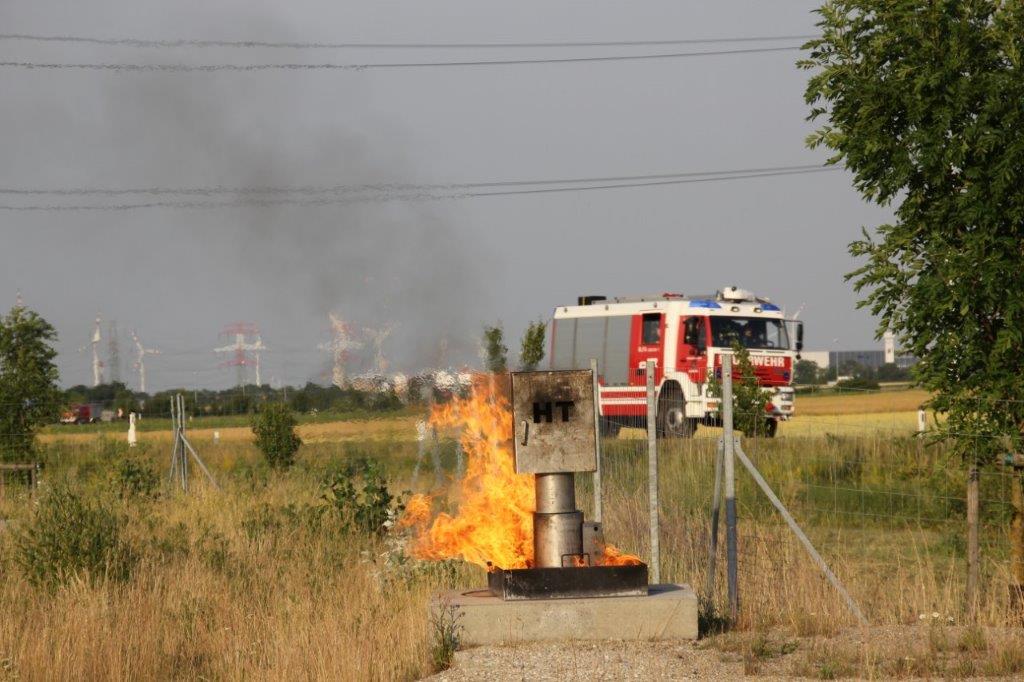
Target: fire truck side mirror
799,336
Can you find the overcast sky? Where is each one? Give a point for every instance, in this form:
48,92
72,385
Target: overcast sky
435,268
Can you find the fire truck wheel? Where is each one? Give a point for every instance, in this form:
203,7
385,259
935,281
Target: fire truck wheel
610,429
672,420
770,427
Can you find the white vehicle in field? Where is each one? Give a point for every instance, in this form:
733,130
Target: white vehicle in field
685,336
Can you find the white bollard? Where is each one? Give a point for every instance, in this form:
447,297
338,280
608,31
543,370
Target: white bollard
133,438
216,437
922,421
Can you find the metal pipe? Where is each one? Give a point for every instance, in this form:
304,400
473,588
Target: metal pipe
556,493
557,539
557,524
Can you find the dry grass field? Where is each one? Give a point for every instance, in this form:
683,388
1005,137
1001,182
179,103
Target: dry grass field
861,402
270,579
397,428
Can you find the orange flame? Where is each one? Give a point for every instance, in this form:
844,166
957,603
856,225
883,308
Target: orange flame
613,557
493,527
417,511
494,522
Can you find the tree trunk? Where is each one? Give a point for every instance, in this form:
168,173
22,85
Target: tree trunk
973,553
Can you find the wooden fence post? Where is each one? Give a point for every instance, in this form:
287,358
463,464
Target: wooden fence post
973,553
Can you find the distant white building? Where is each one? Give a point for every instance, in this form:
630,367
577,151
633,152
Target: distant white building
868,358
889,347
818,357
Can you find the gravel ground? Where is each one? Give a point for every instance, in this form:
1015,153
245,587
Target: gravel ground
906,651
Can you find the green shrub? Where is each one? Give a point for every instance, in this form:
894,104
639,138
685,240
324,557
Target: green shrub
274,426
72,535
748,398
359,495
857,385
136,477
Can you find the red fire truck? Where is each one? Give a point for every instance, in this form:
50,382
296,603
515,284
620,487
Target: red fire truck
83,413
685,336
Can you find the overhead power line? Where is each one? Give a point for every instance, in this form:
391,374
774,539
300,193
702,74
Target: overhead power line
179,43
380,187
472,191
186,68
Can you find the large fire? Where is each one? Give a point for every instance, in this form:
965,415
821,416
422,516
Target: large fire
493,526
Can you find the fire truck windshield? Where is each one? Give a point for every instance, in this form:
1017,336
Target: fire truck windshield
751,332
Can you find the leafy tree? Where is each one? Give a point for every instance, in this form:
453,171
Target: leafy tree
532,346
923,106
852,368
807,373
274,426
831,373
495,351
890,372
748,398
29,397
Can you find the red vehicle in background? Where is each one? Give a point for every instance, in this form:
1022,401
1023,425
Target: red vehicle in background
83,413
685,335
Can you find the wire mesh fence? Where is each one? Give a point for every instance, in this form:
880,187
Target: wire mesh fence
883,504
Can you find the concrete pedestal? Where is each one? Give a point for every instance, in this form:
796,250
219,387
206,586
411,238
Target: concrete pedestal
667,612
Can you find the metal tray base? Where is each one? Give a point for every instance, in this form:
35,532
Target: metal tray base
566,583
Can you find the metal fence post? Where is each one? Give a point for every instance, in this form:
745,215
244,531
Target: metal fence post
174,446
181,437
729,446
597,441
652,474
716,507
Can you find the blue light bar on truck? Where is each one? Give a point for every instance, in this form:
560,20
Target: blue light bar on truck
770,308
704,303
